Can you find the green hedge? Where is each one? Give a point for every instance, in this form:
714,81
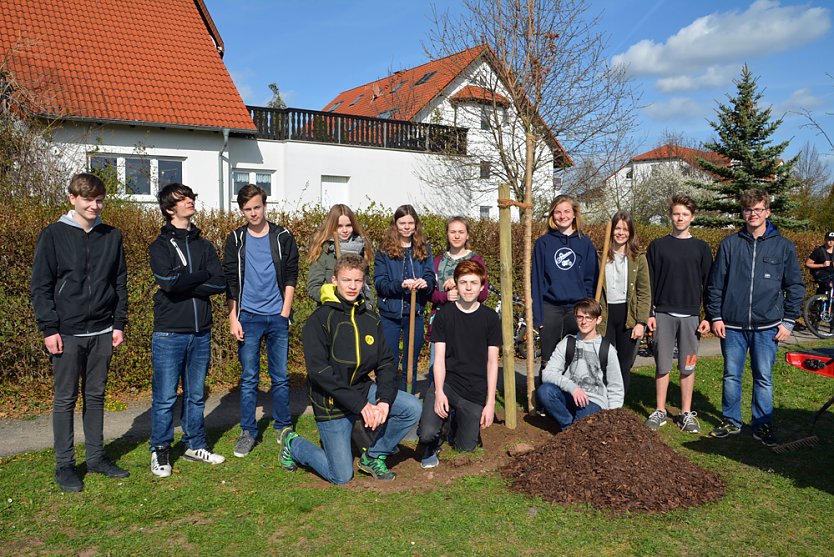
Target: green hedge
23,359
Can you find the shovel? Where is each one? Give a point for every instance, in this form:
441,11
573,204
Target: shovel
411,317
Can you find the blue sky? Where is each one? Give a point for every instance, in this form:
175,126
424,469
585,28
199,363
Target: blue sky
682,55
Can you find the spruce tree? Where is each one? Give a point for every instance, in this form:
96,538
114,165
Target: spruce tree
744,131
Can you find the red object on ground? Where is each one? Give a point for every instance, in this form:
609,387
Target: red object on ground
819,361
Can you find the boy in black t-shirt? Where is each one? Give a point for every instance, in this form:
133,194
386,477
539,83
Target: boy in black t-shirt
466,336
820,263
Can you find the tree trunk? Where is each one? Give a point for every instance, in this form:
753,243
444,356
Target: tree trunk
528,261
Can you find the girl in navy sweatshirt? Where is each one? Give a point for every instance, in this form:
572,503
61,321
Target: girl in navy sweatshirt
565,270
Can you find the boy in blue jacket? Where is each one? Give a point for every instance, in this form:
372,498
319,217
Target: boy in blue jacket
754,296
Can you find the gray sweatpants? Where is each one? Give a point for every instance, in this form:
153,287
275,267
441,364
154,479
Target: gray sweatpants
669,329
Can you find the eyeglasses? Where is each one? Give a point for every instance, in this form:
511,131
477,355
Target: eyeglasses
585,318
753,211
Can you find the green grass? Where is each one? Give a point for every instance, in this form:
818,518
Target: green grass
775,505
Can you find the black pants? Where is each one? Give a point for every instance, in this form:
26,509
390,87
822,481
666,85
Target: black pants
467,416
87,358
620,339
558,322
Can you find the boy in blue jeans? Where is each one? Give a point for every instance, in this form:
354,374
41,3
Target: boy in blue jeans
572,390
343,344
260,262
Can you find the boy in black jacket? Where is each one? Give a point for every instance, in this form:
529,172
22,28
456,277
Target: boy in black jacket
343,344
187,272
261,266
79,294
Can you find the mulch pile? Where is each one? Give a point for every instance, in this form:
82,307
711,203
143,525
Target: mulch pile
612,461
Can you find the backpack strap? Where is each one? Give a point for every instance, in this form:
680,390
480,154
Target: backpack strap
603,359
570,351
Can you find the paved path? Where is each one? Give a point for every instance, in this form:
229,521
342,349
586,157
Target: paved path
222,412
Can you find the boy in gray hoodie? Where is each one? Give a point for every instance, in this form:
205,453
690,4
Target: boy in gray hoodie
578,381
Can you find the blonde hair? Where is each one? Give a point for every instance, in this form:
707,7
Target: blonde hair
391,241
327,231
577,214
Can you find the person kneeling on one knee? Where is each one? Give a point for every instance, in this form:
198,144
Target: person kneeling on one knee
579,380
467,335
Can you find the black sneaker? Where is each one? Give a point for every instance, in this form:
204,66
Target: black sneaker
161,462
726,429
108,468
245,444
67,478
376,467
764,433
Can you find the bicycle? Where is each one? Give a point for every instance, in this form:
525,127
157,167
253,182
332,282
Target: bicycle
819,308
520,335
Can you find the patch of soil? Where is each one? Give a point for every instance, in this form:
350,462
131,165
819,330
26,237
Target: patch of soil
612,461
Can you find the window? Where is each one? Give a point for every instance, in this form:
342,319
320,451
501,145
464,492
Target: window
485,121
485,212
356,100
387,113
242,178
396,87
424,79
140,175
335,106
485,170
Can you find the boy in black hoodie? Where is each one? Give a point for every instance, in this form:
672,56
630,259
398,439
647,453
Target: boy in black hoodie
343,344
187,272
79,294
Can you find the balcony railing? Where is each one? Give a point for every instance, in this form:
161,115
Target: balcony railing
295,124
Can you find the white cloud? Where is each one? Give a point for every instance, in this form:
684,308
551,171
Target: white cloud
800,100
721,37
714,76
243,87
680,109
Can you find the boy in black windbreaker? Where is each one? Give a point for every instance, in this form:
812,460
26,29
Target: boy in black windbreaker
188,272
343,344
79,294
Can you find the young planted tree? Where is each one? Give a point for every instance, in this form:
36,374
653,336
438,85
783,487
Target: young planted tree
548,78
745,130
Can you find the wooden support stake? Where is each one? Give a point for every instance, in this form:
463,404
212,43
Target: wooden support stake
506,278
603,259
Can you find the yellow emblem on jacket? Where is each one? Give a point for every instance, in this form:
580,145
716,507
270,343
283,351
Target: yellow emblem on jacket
369,339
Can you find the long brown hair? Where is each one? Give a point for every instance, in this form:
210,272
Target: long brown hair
391,240
327,231
633,244
577,214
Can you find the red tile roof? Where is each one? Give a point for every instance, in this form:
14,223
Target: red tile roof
472,93
403,94
402,91
137,61
670,151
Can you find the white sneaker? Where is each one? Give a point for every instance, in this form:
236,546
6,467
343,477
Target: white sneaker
203,455
160,463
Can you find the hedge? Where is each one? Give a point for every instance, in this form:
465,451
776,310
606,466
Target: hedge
23,358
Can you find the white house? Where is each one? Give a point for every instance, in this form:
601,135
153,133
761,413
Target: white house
150,98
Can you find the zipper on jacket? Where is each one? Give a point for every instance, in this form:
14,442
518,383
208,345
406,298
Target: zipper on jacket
87,278
752,278
193,299
240,271
356,337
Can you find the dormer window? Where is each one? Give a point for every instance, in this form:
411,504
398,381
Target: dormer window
387,113
335,106
397,86
356,100
424,79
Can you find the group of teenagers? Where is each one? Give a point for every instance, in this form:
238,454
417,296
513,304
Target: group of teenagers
355,342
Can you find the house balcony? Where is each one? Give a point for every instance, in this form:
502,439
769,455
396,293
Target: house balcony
294,124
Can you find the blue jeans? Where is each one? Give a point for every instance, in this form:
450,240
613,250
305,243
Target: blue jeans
175,356
560,405
762,347
392,329
333,461
275,331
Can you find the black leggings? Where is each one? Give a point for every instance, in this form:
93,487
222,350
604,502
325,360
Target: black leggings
558,322
620,339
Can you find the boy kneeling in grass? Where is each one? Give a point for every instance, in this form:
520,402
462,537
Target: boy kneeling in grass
578,381
466,336
343,344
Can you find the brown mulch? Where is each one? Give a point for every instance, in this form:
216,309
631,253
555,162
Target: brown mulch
612,461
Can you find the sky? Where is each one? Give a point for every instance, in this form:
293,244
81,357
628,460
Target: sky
682,56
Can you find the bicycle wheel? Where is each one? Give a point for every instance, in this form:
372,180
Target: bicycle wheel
817,316
521,342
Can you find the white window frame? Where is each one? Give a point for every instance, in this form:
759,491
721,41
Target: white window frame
121,171
253,179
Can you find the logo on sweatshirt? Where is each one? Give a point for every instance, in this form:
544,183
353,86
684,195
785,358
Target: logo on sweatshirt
369,340
565,258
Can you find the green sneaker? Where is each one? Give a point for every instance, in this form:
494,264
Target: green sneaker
726,429
376,467
764,433
284,453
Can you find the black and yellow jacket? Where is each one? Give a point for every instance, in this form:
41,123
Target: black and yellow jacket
343,344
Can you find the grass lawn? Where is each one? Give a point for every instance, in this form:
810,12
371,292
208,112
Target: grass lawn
775,505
